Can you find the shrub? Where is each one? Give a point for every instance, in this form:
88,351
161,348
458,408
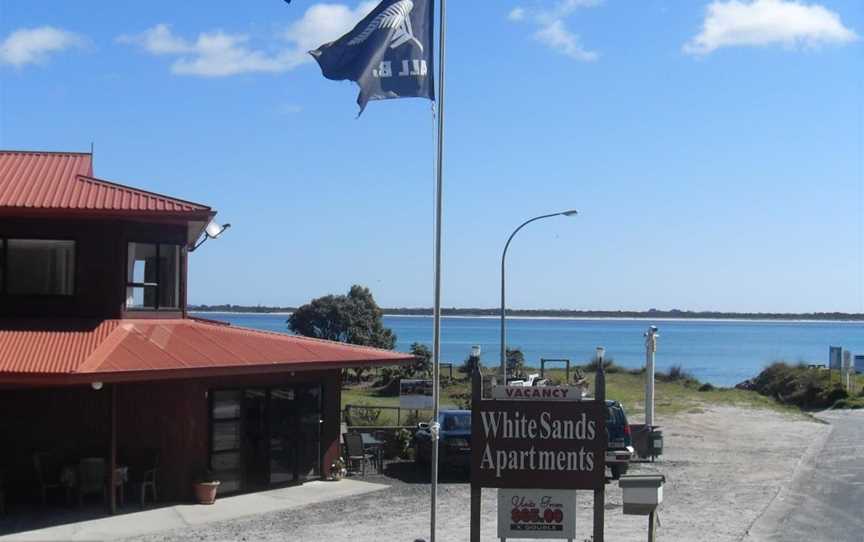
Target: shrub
707,387
398,443
608,366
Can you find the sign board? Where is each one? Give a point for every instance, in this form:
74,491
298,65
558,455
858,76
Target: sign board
835,354
536,513
538,444
415,394
544,393
859,364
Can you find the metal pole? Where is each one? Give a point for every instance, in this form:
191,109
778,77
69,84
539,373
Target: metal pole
652,525
650,349
503,306
436,313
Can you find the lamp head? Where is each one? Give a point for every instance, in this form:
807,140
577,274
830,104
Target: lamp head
475,351
214,230
571,212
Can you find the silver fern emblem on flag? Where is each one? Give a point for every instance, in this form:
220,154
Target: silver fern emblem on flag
397,16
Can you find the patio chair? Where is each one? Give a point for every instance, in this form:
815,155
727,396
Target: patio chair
354,445
49,468
92,478
144,475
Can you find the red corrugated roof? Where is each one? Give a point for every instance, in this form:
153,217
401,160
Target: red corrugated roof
59,351
59,181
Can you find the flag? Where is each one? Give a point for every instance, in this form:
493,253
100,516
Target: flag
388,54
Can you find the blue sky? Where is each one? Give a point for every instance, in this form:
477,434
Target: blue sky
714,149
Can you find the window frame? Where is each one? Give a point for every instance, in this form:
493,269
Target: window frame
4,267
156,285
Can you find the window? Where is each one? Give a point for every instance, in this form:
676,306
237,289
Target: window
153,276
38,267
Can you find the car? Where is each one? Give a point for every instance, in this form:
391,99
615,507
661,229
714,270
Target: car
454,448
620,448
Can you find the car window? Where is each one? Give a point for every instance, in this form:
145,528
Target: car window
456,422
614,415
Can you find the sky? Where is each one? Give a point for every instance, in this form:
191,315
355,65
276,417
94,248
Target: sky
713,148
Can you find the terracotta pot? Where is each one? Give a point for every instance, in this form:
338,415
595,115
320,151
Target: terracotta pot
205,492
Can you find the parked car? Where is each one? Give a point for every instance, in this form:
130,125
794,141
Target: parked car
620,449
454,448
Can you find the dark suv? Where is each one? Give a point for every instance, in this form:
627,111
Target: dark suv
620,448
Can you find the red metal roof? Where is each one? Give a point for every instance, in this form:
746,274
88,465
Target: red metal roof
58,181
69,351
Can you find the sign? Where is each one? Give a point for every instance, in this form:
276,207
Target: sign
545,393
538,444
415,394
536,513
835,354
859,364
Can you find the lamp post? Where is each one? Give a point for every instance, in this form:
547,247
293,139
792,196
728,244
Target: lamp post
571,212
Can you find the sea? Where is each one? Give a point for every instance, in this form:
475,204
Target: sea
722,352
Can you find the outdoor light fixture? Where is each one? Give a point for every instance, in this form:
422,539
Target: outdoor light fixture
475,351
212,231
601,352
569,212
96,385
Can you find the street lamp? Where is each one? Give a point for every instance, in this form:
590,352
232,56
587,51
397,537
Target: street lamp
571,212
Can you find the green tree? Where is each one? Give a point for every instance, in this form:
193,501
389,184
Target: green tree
423,365
354,318
515,363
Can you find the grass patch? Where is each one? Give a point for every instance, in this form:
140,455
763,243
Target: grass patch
673,394
804,387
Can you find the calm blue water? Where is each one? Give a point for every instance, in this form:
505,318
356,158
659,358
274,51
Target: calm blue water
723,353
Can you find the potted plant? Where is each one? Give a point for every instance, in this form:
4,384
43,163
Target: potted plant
338,470
205,487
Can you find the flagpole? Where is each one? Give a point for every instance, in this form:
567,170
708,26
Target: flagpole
436,311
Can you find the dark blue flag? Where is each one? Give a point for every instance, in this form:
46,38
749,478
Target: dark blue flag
388,53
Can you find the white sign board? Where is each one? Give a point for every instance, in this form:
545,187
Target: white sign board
415,394
859,364
536,513
538,393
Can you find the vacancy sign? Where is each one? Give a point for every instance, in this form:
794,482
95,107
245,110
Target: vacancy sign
545,443
536,513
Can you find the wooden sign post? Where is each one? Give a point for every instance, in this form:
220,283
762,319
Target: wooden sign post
538,438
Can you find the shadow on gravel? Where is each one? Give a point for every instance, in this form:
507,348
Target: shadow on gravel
412,473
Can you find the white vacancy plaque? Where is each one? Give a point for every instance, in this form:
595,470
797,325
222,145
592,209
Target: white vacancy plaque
536,513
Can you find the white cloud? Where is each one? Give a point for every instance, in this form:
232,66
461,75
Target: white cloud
516,14
766,22
551,27
33,45
219,54
557,37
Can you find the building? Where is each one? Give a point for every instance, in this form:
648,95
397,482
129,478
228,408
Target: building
99,358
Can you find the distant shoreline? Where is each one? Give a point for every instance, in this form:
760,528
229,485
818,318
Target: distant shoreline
518,315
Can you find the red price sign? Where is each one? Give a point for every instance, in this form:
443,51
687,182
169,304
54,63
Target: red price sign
529,513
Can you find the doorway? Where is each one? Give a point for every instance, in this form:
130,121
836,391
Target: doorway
275,436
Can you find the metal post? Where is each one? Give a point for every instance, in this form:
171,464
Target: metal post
436,313
652,525
476,489
846,370
600,494
650,348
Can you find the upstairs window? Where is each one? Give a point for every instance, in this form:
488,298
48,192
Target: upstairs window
153,276
38,266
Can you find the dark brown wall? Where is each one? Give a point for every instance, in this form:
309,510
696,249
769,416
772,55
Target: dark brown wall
100,261
169,416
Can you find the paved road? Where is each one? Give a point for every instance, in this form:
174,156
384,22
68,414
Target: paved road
825,499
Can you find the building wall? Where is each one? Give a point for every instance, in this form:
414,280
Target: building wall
169,416
100,261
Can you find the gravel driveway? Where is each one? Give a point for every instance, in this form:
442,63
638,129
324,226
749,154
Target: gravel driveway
723,467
